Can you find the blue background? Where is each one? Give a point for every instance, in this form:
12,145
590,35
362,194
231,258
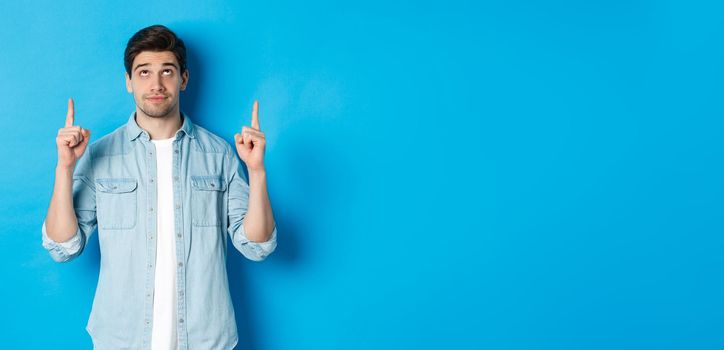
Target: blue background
505,175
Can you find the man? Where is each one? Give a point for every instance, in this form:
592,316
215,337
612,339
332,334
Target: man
163,193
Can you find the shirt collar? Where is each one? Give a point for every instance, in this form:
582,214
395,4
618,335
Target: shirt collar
134,131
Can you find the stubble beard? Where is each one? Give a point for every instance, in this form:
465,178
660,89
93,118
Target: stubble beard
156,111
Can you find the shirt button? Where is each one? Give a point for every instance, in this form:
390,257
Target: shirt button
180,264
179,236
151,180
175,151
150,265
150,209
178,206
181,320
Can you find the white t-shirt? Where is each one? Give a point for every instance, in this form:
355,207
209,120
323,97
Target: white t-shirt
163,334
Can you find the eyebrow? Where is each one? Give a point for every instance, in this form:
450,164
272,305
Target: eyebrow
163,64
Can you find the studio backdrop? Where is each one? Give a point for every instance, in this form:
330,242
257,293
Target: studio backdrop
444,175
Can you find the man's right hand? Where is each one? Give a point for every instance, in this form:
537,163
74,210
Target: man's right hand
72,140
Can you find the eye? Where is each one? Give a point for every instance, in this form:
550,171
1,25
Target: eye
143,73
167,71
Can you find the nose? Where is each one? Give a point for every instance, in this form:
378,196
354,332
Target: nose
157,84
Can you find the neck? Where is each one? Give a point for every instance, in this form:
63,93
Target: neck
160,128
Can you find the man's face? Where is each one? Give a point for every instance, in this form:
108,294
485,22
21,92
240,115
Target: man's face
156,83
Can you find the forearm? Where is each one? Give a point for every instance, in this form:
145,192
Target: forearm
259,220
61,223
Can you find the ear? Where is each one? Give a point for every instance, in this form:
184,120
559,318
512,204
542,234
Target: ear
184,80
129,87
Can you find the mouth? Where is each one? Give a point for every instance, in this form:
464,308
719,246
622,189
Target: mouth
156,99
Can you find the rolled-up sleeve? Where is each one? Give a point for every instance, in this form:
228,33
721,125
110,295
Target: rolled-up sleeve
238,203
84,205
256,251
62,251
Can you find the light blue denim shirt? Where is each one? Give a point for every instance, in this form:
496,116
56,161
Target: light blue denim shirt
114,190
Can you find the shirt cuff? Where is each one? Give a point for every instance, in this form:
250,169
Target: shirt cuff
261,249
62,251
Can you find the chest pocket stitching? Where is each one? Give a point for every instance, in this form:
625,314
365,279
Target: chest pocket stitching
117,203
206,206
208,183
116,185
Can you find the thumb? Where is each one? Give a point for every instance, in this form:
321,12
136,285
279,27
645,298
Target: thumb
86,135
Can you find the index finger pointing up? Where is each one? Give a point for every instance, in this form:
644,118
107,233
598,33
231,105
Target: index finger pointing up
69,118
255,116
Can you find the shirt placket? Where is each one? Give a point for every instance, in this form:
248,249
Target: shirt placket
151,217
180,248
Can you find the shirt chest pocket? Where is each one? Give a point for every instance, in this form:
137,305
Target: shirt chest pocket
117,202
207,193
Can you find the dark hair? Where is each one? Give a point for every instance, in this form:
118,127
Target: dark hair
155,38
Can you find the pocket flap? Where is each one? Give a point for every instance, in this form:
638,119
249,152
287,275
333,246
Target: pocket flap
208,183
116,185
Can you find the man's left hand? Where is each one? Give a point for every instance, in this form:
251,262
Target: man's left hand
251,142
